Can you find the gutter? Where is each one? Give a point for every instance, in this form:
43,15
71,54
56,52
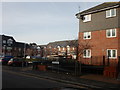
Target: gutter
98,10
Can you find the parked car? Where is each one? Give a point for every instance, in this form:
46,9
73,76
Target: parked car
17,62
5,60
1,59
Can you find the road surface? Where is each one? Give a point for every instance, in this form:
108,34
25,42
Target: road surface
13,79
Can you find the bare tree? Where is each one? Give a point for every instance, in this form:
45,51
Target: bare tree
83,45
80,46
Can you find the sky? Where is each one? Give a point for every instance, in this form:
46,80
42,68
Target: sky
42,22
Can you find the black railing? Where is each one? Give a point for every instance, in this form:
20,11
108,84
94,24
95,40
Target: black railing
96,64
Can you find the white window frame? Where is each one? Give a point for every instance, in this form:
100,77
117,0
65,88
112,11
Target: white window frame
111,51
87,55
110,13
73,48
111,34
59,49
87,18
63,48
86,34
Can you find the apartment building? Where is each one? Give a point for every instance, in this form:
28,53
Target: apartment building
99,28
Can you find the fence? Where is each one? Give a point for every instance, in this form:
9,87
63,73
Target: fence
96,60
93,64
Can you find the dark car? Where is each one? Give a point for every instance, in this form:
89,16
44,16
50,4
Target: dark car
17,62
5,60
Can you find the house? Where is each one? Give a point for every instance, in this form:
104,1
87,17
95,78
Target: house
7,44
99,34
65,48
10,47
43,50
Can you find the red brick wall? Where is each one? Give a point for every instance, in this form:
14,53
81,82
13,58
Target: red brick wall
100,43
118,42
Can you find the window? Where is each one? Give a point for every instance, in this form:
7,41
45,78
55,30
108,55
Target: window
63,48
9,48
111,33
19,49
110,13
4,41
87,18
9,41
87,35
68,47
87,53
112,53
59,49
73,48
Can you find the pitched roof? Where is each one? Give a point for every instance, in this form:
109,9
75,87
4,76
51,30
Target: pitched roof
19,44
7,37
62,43
103,6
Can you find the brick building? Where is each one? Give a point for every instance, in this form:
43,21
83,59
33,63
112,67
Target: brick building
99,32
61,48
7,44
10,47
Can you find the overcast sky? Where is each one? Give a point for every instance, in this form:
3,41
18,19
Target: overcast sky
40,22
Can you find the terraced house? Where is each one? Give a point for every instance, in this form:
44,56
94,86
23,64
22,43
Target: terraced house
62,48
100,29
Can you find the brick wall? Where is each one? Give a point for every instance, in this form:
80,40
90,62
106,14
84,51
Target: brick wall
100,43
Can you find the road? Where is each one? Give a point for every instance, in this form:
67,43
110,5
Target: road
13,79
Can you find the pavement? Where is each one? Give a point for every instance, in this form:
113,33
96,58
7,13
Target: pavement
88,80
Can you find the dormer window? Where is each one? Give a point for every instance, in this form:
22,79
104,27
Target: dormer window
87,18
110,13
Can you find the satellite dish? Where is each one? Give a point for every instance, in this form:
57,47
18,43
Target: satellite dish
82,17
